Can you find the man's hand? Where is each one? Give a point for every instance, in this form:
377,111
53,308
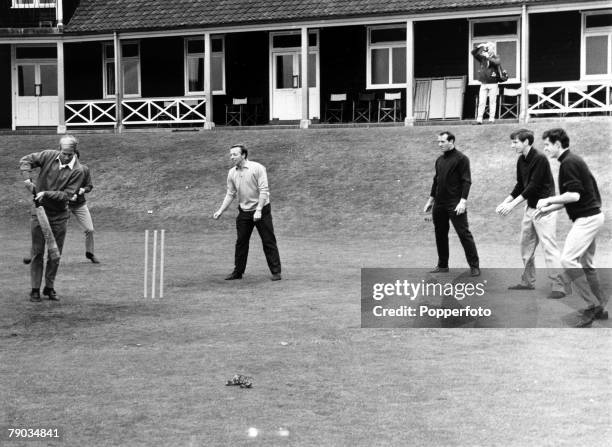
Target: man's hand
217,214
81,191
543,212
39,196
504,208
29,185
428,206
460,208
257,215
543,203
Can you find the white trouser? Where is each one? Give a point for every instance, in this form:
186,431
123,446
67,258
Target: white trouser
83,217
490,91
542,231
577,259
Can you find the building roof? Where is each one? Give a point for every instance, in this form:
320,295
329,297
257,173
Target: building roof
93,16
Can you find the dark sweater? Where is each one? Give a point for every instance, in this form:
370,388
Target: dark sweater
534,180
575,176
488,68
452,180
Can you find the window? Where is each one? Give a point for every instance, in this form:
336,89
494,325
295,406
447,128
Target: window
596,54
33,4
504,34
194,65
386,57
130,62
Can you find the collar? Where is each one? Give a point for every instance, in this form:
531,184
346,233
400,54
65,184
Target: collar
245,165
450,152
68,165
563,155
529,155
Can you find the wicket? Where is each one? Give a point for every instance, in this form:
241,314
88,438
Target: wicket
154,268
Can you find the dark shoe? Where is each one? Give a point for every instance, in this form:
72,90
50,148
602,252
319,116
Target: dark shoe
27,260
276,277
440,270
51,294
474,271
92,258
233,276
599,312
586,320
521,287
35,296
556,295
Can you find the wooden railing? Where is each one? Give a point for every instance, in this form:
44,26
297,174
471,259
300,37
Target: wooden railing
103,112
570,98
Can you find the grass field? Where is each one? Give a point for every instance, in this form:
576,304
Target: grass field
110,368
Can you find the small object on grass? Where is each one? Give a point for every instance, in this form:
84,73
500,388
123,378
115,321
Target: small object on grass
283,432
284,343
240,380
252,432
150,211
26,261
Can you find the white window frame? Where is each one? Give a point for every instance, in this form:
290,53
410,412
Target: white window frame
600,31
383,45
214,54
19,4
106,60
495,39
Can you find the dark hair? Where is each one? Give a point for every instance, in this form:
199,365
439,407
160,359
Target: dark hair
78,154
557,134
449,136
243,150
522,135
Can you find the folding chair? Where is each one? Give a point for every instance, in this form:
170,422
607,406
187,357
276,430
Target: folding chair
390,108
253,111
334,108
234,111
509,103
362,107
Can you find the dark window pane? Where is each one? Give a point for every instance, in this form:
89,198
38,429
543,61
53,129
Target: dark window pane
25,75
388,35
216,68
596,55
287,41
217,45
36,53
195,73
507,53
312,70
109,51
312,40
399,65
130,78
284,71
129,50
110,78
598,20
195,46
380,66
501,28
48,80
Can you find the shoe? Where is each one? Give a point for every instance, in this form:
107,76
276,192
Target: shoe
92,258
35,296
555,295
51,294
440,270
474,271
26,261
478,123
491,121
600,313
276,277
233,275
521,287
586,320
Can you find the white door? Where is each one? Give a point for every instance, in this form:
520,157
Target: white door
37,102
287,85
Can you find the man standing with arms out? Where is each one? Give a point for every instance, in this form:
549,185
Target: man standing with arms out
248,180
534,181
78,207
580,196
59,178
488,75
448,198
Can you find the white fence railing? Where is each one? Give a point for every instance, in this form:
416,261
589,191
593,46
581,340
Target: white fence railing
103,112
575,97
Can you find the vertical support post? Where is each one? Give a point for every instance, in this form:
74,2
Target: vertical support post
409,120
146,261
59,13
161,263
154,264
209,124
305,121
15,87
118,83
61,96
524,112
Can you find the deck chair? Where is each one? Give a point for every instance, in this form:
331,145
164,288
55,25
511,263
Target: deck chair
334,108
390,107
362,107
234,112
509,103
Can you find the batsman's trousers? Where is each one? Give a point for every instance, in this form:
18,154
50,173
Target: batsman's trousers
83,217
58,222
244,228
441,215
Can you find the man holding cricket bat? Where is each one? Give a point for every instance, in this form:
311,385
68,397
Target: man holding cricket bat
59,178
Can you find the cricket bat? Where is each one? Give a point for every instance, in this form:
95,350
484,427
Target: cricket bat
45,226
